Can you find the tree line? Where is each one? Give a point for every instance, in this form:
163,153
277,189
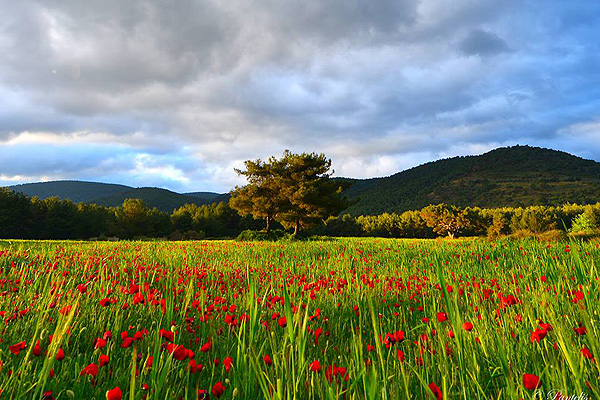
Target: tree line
452,221
22,217
293,192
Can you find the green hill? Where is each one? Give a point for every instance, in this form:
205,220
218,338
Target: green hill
208,196
111,195
77,191
510,176
163,199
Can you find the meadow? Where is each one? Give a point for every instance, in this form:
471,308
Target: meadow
342,318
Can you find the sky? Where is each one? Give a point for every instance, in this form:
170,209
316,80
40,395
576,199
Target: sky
176,94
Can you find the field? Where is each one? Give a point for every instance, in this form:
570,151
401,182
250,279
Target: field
345,318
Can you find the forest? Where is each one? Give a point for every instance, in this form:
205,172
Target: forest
22,217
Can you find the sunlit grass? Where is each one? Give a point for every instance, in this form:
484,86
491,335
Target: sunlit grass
251,300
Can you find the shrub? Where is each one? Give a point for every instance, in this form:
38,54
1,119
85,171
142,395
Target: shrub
582,223
252,236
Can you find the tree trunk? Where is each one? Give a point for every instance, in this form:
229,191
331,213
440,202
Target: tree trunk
268,228
296,227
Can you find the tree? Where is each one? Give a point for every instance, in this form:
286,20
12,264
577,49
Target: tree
261,197
445,219
134,218
294,190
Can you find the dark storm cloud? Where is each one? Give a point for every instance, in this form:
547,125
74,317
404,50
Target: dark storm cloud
177,93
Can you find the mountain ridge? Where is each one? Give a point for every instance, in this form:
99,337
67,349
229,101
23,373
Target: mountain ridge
505,176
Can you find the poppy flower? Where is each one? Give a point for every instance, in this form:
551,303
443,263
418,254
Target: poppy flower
100,343
180,353
282,322
91,369
227,362
531,381
205,347
218,389
267,360
202,394
581,330
60,355
168,335
538,335
37,350
127,342
103,360
442,316
16,348
315,366
114,394
467,326
587,353
437,392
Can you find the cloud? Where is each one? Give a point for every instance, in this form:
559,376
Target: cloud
482,43
147,92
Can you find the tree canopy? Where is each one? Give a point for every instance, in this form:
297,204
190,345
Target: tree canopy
295,190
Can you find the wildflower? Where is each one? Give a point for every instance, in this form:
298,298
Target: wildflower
218,389
114,394
315,366
531,381
103,360
436,391
91,369
16,348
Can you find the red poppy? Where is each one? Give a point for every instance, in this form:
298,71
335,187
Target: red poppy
37,350
103,360
315,366
127,342
282,322
267,360
581,330
531,381
16,348
206,346
400,355
194,367
114,394
538,335
218,389
437,392
91,369
467,326
60,355
587,353
227,362
168,335
442,316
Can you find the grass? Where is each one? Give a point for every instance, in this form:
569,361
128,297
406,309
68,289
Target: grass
339,298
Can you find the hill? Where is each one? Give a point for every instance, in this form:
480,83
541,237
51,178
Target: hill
163,199
509,176
208,196
77,191
111,195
